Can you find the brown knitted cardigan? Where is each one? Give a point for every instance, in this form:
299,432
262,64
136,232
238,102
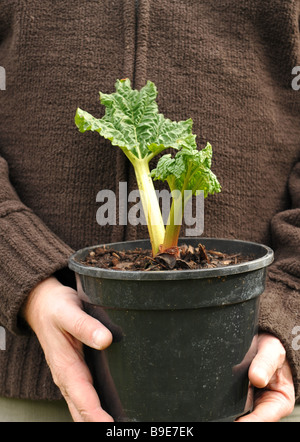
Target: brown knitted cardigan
226,64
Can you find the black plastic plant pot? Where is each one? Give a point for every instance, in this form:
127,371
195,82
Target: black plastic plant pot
183,340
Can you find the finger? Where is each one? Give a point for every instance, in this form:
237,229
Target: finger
80,395
94,412
270,357
269,409
84,328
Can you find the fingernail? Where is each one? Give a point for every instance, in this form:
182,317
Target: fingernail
98,339
261,377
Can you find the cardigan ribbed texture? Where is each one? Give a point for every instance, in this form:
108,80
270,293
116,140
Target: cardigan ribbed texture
225,64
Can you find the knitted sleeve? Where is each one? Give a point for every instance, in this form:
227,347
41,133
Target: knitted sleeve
280,312
29,252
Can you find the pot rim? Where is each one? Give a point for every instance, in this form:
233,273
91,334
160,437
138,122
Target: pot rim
266,257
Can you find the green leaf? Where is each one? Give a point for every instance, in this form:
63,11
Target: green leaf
133,123
85,121
189,169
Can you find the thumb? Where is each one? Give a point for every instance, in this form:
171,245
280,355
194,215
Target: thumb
85,328
270,357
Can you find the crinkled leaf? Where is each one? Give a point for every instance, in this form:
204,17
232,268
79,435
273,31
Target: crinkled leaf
189,169
85,121
132,121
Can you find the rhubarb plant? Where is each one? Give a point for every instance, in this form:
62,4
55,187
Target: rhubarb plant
133,123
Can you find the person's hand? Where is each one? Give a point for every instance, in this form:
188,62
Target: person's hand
54,313
271,374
